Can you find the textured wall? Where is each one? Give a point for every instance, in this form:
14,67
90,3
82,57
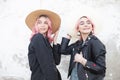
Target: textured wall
14,34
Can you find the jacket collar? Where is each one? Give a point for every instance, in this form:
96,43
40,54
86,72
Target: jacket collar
85,43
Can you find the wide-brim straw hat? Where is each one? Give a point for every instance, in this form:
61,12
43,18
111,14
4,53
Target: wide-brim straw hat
54,17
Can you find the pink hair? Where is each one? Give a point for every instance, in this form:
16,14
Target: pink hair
35,29
78,22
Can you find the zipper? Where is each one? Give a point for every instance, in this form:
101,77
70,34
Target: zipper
86,75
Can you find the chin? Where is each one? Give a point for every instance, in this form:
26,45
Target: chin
86,32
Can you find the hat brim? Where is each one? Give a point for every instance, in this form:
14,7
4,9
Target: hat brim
55,19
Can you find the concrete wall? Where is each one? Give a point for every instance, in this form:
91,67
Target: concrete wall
14,34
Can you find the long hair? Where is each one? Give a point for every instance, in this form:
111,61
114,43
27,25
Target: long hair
35,29
78,22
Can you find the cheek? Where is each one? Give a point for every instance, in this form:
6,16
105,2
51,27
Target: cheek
80,28
91,27
47,27
38,25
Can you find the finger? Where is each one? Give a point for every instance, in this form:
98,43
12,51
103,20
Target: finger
80,54
69,36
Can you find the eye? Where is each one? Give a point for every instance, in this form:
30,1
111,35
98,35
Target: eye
82,23
46,22
39,22
88,22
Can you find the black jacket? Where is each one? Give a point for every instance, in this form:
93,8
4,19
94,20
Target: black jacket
43,59
93,50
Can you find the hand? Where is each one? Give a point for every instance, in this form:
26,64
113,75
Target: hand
79,58
55,37
68,36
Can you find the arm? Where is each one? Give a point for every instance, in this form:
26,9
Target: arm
44,57
65,49
56,54
99,64
56,49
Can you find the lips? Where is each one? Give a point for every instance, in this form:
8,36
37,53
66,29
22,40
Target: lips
42,28
86,28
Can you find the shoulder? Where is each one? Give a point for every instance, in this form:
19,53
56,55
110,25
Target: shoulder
37,37
96,41
77,43
93,37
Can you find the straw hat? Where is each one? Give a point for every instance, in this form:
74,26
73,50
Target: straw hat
55,18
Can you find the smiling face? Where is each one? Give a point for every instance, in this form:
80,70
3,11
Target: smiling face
85,26
42,24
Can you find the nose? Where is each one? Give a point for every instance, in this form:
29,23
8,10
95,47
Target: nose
42,25
85,25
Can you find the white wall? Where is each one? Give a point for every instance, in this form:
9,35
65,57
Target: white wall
15,34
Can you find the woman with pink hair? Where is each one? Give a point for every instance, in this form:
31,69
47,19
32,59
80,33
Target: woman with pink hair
43,57
87,53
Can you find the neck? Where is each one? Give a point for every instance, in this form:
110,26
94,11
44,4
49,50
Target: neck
84,36
44,35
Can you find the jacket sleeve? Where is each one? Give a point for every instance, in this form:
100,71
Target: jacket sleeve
57,54
99,64
65,48
44,57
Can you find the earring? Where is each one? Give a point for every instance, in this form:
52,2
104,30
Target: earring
78,33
